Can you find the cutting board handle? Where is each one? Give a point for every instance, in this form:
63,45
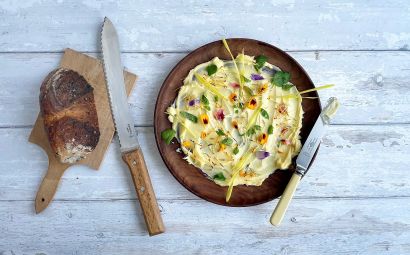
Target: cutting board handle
48,186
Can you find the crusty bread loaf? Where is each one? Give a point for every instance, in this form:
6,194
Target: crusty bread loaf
70,117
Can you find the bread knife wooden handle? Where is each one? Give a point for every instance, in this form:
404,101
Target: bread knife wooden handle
142,183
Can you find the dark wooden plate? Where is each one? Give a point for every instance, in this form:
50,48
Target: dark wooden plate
191,177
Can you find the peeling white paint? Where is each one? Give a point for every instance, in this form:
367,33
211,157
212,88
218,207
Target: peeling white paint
328,17
396,39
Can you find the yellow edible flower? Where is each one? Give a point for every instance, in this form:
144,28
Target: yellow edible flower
252,103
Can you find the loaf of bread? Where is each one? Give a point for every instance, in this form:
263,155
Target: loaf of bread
70,117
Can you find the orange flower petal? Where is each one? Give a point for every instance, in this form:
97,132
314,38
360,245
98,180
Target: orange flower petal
233,97
235,124
263,88
204,118
252,103
203,134
263,138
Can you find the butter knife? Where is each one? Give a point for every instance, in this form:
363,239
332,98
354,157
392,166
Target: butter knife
127,134
304,159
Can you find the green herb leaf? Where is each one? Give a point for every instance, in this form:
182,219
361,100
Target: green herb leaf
215,98
227,141
260,62
189,116
257,127
248,90
167,135
280,78
264,113
211,69
236,150
220,132
236,111
204,100
270,130
251,131
244,79
240,105
287,86
219,176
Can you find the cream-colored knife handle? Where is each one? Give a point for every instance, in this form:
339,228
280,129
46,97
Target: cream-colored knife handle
285,199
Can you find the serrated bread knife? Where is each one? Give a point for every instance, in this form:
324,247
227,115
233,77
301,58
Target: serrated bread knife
304,159
127,134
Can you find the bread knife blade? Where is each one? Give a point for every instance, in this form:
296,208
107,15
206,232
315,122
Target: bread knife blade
124,125
304,159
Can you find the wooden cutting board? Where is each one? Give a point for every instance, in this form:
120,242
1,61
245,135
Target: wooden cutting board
92,70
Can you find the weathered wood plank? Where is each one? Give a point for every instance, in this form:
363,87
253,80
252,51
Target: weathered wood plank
324,226
182,26
354,161
373,87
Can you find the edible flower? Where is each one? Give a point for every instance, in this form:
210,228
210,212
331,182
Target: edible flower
235,124
252,103
233,97
204,118
193,102
203,134
256,77
285,141
222,147
262,154
284,131
282,108
262,89
235,85
219,114
263,138
187,144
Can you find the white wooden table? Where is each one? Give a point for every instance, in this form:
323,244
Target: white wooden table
355,199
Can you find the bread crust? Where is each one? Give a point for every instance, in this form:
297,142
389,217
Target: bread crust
69,113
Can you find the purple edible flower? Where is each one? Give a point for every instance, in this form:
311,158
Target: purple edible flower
193,102
262,154
256,77
219,114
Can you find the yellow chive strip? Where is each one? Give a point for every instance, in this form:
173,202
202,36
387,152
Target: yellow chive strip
318,88
234,62
208,85
306,91
252,120
187,129
236,169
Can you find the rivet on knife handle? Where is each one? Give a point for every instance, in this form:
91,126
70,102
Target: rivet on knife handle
143,187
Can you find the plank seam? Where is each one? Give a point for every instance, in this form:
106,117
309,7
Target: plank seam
188,51
198,199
